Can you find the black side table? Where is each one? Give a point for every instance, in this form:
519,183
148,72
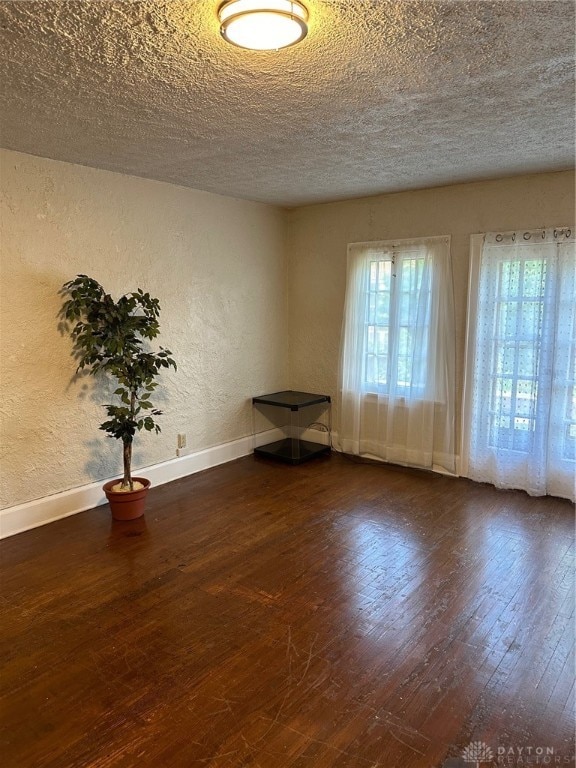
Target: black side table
294,414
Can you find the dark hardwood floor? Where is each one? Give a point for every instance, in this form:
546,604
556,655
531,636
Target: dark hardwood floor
328,614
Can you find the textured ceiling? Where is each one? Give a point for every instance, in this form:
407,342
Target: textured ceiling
381,95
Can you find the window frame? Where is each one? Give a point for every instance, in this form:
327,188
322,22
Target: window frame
393,251
476,246
396,259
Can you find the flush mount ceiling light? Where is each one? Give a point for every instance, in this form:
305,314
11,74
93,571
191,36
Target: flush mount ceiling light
263,25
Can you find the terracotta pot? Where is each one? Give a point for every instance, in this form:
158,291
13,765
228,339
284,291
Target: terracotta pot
127,505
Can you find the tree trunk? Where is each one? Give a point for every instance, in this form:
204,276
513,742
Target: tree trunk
127,479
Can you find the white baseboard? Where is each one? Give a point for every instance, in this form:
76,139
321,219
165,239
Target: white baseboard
316,436
31,514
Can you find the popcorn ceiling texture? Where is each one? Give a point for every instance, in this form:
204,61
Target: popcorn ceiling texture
381,96
216,264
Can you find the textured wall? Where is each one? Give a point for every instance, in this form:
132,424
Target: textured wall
217,266
318,238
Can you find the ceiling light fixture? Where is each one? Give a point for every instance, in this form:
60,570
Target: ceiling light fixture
263,25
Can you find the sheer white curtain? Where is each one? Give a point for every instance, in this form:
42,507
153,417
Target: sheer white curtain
521,389
397,382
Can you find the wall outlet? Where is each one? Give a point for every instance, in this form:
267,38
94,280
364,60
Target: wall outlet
181,441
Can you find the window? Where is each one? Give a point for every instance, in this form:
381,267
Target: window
397,362
397,322
522,390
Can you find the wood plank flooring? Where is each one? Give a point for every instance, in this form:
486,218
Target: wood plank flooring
329,614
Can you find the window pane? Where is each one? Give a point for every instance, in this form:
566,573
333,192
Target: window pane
382,341
530,318
510,278
397,310
507,319
373,275
519,315
534,276
384,275
378,322
527,358
382,305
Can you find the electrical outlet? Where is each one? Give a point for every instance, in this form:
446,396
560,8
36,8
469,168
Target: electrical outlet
181,442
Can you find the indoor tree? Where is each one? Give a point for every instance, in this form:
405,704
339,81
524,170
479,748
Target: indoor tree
109,338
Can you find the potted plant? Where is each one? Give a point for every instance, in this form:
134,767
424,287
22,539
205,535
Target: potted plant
109,338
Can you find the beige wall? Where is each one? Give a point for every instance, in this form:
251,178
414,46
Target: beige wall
217,265
319,235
